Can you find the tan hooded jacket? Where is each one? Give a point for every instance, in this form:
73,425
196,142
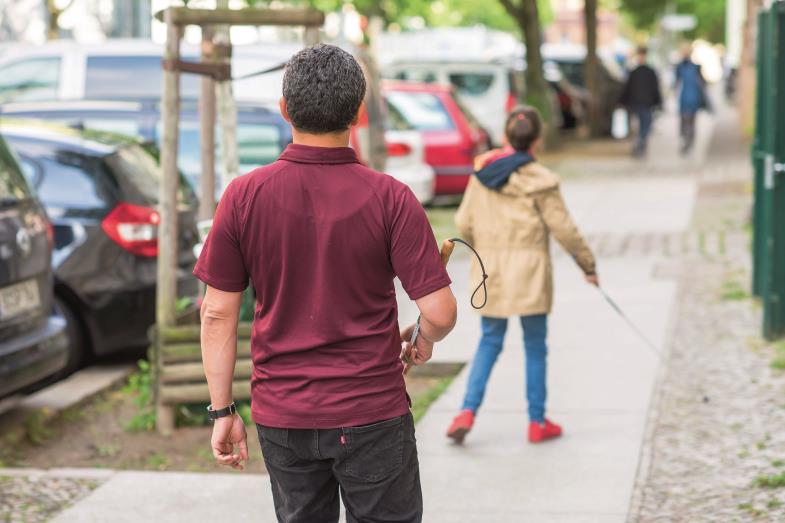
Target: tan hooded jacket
511,229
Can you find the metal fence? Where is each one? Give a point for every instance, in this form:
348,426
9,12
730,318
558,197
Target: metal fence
768,156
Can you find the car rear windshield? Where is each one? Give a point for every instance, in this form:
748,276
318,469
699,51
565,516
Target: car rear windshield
29,80
573,71
395,121
258,144
71,181
424,111
13,185
474,123
119,77
472,84
139,168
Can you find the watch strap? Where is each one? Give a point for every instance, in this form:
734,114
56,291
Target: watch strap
214,414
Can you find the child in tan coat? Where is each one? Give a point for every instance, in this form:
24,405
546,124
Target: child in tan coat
511,208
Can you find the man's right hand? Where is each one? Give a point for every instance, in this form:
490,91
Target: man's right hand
420,353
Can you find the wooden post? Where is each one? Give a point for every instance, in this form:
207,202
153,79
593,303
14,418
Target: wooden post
207,132
166,290
227,109
216,98
311,36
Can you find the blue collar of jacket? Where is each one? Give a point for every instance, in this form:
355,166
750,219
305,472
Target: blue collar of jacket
496,174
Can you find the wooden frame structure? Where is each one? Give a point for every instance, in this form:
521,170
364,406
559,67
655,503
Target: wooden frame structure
214,67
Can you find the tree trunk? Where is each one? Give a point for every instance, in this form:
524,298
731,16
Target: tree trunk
527,16
227,112
592,67
53,20
746,75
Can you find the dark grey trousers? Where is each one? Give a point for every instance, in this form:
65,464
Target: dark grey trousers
687,131
373,467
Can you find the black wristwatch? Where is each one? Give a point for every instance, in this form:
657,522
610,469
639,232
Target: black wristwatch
213,415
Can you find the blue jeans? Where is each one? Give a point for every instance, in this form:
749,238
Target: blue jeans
535,331
644,127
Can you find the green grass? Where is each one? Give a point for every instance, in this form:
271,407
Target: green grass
748,507
37,426
108,450
732,290
140,385
772,481
442,222
421,402
158,461
778,363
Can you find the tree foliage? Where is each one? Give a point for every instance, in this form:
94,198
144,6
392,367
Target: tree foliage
644,14
436,13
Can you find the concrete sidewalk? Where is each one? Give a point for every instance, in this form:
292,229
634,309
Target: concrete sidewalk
600,380
601,375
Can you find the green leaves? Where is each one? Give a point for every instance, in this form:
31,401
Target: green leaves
645,14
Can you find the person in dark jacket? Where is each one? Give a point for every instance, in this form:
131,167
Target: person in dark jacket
641,96
692,96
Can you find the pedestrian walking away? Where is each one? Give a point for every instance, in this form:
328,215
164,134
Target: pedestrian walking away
641,96
321,238
692,97
511,208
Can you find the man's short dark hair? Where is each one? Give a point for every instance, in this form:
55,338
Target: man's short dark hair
323,86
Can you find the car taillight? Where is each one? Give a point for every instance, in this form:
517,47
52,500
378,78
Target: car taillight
398,149
481,143
133,228
50,234
565,102
511,102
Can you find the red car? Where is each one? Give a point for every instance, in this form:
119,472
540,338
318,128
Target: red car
452,136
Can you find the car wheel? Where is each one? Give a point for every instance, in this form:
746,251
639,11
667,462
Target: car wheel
78,351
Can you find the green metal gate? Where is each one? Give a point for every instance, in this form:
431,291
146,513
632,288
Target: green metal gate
768,156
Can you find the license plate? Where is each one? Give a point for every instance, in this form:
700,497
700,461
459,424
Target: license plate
19,298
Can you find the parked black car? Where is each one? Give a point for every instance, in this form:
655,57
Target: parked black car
262,134
33,343
101,193
571,60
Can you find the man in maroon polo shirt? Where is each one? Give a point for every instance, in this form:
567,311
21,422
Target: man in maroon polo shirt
321,238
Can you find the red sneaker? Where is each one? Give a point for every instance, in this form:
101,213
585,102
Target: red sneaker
539,432
461,425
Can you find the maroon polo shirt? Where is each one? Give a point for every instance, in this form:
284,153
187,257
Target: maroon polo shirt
321,238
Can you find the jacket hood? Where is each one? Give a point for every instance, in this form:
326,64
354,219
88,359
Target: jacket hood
495,169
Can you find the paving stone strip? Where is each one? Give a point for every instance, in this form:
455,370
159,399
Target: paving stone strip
699,242
717,427
36,498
